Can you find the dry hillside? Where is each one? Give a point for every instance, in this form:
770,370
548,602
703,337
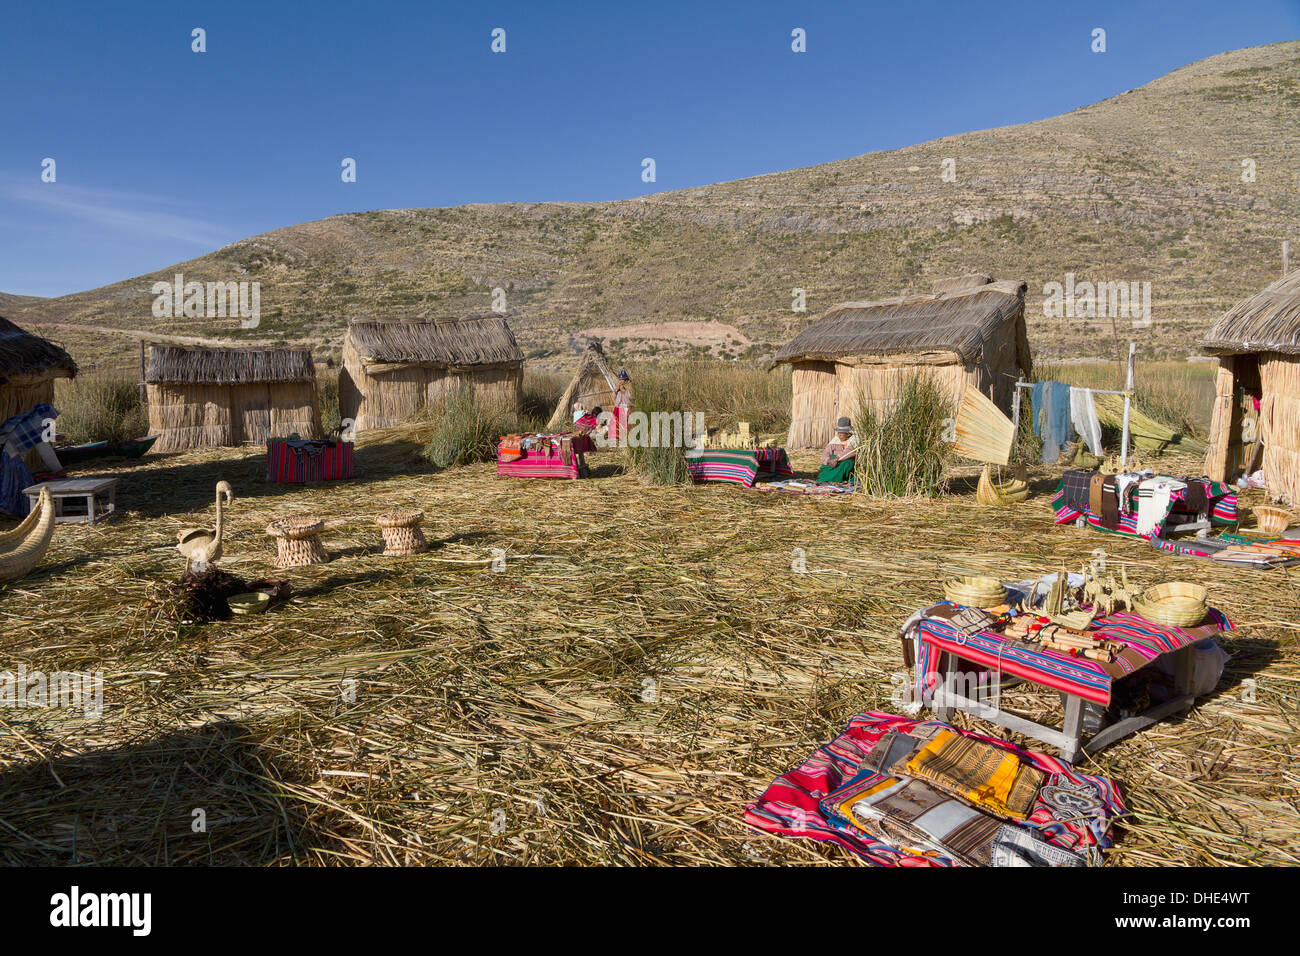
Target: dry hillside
1145,186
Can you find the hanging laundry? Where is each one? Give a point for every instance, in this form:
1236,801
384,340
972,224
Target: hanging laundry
26,430
1052,417
1083,416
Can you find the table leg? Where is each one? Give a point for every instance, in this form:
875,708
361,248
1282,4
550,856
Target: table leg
1073,728
947,663
90,508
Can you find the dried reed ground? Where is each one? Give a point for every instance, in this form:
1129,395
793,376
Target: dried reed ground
645,664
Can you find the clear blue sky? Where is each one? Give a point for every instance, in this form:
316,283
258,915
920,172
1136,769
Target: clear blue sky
164,154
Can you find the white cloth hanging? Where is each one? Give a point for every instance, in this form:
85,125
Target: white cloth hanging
1083,415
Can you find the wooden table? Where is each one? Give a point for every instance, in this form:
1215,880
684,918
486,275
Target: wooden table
944,682
92,499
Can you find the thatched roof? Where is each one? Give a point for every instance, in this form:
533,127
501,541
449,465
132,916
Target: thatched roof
461,341
200,365
955,322
593,384
23,354
1269,321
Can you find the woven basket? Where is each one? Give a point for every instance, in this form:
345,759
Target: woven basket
1272,520
1176,603
297,542
975,592
402,534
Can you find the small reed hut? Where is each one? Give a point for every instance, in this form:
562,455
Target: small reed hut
28,367
394,367
204,397
1257,343
969,331
593,384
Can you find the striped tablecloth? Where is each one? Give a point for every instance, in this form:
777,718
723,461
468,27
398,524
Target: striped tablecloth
1091,680
740,465
545,461
313,461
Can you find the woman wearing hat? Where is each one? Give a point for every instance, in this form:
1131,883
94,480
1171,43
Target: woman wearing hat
837,459
622,406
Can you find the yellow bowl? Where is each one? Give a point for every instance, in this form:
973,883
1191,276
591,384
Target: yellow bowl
250,602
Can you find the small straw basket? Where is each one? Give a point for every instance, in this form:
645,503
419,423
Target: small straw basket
1175,603
1272,520
975,592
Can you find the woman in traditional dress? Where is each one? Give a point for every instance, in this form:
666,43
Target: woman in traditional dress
622,406
838,456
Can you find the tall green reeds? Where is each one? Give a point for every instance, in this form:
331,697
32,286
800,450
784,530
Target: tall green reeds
466,428
100,408
902,446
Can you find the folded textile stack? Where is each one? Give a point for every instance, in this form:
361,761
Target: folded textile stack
901,792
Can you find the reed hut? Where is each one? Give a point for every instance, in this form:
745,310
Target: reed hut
593,384
969,331
1257,343
204,397
394,367
29,365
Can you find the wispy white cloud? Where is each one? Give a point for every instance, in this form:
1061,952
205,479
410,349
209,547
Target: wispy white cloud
126,212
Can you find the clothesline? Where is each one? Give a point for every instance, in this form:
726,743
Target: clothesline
1126,392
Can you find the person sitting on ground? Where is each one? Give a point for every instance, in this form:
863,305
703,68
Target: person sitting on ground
838,457
589,422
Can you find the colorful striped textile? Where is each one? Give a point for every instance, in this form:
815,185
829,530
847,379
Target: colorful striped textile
288,462
545,459
1074,811
1091,680
740,465
1222,510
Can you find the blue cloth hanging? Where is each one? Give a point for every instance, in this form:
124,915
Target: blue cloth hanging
1052,417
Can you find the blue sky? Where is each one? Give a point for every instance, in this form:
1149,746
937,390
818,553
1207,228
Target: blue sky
164,154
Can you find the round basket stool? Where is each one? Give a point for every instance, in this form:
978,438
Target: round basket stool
402,534
297,542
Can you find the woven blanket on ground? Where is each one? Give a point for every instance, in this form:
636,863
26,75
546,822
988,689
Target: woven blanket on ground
924,821
1092,680
1221,500
987,776
546,456
740,465
289,462
1073,811
1213,549
801,486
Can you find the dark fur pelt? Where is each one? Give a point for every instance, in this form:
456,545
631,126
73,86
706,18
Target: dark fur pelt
206,593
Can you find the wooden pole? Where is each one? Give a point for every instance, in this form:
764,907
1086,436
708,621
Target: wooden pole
1286,256
142,387
1015,413
1128,401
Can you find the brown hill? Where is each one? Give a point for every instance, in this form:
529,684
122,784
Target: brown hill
1144,186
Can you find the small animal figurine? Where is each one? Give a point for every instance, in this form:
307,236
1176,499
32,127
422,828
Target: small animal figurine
202,546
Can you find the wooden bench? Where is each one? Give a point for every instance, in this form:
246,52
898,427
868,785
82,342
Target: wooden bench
90,499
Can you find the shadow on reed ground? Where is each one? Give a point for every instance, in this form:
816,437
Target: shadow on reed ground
135,805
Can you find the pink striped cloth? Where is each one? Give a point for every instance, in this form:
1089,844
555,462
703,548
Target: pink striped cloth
1081,818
